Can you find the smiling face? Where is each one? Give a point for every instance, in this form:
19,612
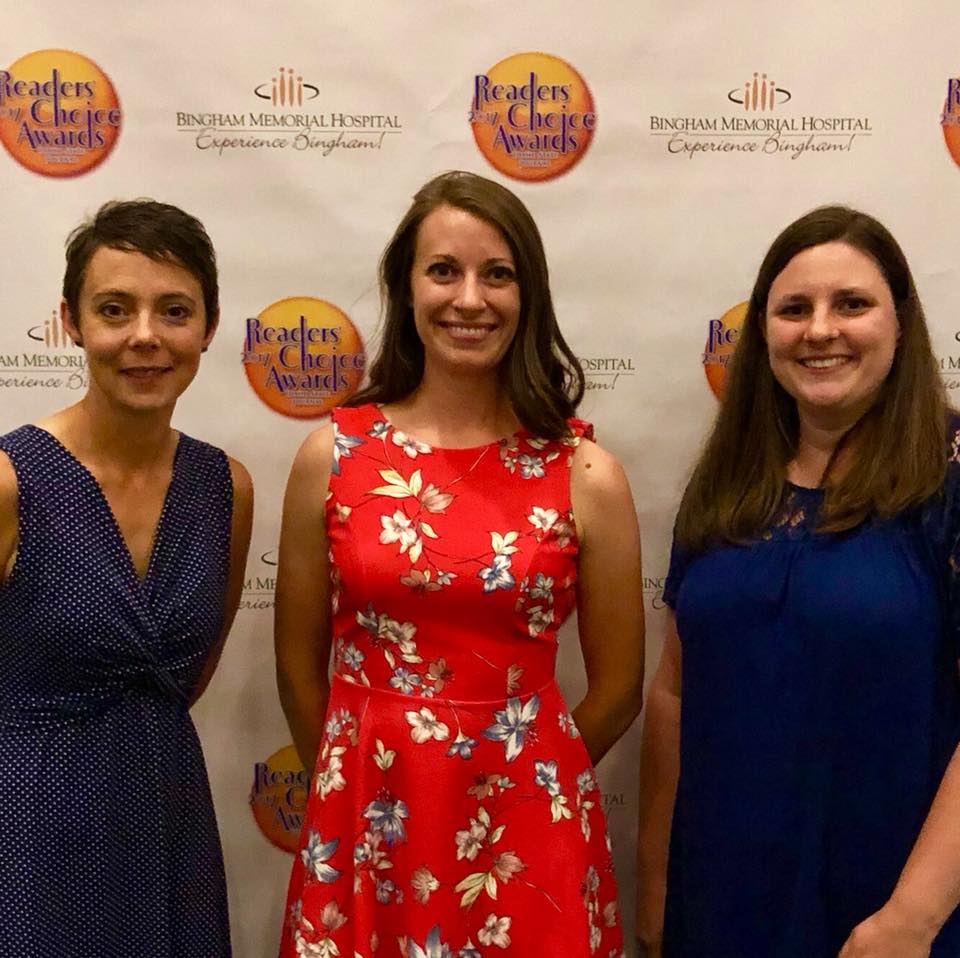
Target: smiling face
464,292
143,325
831,331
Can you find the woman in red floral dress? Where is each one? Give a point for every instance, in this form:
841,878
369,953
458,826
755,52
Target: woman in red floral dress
436,534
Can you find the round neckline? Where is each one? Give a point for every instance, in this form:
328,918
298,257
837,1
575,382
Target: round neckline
503,440
803,489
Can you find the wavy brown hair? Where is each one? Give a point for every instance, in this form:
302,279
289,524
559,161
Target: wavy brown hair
539,372
895,455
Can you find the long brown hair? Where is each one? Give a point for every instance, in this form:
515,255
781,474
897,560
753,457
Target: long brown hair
897,448
540,374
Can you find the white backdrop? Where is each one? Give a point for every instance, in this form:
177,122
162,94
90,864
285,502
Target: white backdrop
647,242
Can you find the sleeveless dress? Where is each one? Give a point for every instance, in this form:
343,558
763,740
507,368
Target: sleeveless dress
454,812
820,707
108,841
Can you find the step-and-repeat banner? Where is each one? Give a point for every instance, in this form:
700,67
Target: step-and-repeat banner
659,146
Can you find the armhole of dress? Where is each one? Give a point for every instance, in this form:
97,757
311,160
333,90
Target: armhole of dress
18,555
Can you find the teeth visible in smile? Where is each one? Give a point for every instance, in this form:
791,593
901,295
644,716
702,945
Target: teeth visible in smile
473,331
825,363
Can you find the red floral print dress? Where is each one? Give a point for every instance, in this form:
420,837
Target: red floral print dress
454,812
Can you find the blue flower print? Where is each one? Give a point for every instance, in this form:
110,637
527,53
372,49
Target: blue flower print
342,444
531,467
386,815
512,725
403,680
433,947
315,856
497,575
463,746
546,776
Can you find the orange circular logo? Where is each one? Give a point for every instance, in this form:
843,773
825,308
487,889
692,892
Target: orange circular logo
303,356
722,335
532,116
278,797
59,113
950,119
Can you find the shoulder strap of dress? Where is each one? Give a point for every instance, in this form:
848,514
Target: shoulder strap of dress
580,428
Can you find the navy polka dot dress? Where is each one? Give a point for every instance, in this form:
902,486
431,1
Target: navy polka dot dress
108,842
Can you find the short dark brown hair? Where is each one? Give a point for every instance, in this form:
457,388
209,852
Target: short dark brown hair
157,230
898,447
540,373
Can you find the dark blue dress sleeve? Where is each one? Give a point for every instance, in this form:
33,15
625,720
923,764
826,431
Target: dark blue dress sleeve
679,560
951,519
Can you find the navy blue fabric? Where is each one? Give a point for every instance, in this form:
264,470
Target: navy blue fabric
820,707
108,842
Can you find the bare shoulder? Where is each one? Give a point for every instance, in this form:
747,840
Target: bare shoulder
315,455
597,473
600,494
242,483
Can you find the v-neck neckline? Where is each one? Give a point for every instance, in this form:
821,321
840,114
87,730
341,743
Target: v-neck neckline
111,515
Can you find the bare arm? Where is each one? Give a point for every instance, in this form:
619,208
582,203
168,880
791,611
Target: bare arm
659,771
609,598
928,891
302,621
8,517
240,525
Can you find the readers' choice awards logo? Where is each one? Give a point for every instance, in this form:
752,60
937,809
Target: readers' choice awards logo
950,119
722,335
278,797
59,113
761,119
303,356
532,116
292,115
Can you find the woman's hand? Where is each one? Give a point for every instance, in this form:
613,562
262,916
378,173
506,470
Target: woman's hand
648,949
887,934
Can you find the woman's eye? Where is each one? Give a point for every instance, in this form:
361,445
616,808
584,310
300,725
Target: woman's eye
792,310
502,274
111,310
178,313
855,304
441,270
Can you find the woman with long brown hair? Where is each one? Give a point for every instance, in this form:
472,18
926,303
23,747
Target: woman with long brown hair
435,536
808,766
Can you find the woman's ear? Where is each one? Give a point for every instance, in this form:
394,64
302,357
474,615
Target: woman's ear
69,323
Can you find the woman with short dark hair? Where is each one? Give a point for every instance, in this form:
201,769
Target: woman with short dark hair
122,546
814,590
435,536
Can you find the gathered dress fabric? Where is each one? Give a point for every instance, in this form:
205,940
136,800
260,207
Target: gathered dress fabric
820,707
108,842
454,811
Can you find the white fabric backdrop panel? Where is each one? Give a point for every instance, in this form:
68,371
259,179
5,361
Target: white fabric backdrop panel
645,245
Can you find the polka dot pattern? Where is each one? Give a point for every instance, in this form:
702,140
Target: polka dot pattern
108,841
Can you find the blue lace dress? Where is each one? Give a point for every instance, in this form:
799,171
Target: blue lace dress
108,841
820,707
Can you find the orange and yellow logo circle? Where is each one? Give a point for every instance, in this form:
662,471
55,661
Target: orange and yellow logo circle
278,797
303,356
59,113
722,335
950,119
532,116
